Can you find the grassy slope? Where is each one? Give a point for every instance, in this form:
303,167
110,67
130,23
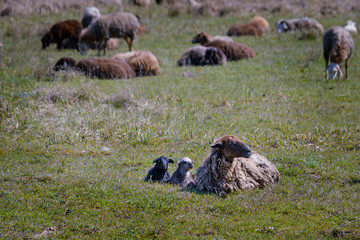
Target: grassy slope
278,103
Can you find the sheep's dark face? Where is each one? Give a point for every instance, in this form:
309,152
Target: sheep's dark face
82,48
199,38
64,64
282,26
231,147
162,162
212,57
186,164
46,40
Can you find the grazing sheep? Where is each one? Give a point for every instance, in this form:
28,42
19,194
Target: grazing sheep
200,56
144,63
159,171
203,37
251,29
234,51
338,47
262,22
351,27
307,26
116,25
90,14
182,176
231,165
69,29
102,68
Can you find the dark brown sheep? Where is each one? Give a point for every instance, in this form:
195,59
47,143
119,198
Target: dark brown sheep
69,29
233,50
251,28
102,68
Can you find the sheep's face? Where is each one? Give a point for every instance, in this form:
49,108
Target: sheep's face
64,64
161,163
333,70
231,147
212,57
83,48
282,26
199,38
186,164
46,40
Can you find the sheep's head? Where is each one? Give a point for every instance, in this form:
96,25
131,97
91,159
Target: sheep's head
46,40
162,162
186,164
332,70
212,57
64,64
200,38
350,23
83,48
282,26
231,147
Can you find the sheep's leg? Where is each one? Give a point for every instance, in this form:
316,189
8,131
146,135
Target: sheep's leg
129,42
58,45
104,46
346,67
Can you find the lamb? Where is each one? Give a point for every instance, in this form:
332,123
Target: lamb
201,56
262,22
351,27
233,51
231,165
251,28
144,63
203,37
308,26
97,67
90,14
159,172
182,176
69,29
338,47
117,25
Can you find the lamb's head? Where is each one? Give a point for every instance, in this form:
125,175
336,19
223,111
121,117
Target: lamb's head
185,164
231,147
282,26
200,38
64,64
332,70
162,162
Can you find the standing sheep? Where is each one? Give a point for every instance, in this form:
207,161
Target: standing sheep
117,25
306,26
144,63
97,67
233,51
203,37
338,47
159,171
231,165
69,29
182,176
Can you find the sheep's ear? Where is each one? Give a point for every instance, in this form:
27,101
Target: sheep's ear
155,160
217,145
171,161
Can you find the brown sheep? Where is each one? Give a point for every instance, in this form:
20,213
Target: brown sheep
204,37
102,68
144,63
251,28
262,22
231,165
69,29
234,51
338,47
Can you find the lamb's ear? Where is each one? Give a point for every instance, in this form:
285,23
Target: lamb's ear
155,160
217,145
171,161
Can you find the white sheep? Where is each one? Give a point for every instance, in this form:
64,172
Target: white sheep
338,47
307,26
351,27
182,176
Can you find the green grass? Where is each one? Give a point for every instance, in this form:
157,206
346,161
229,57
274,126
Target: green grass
52,126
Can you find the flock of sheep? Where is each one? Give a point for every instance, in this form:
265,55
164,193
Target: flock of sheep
230,165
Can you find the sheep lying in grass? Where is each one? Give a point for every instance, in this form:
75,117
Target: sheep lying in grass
69,29
201,56
251,29
308,27
262,22
338,47
231,165
351,27
233,51
182,176
144,63
116,25
141,3
203,37
97,67
159,172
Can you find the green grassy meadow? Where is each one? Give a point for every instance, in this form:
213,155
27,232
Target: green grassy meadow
53,126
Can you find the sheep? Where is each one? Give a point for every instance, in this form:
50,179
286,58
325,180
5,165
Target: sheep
231,165
338,47
233,51
90,14
307,26
251,28
203,37
144,63
262,22
141,3
159,172
97,67
117,25
69,29
200,56
351,27
182,176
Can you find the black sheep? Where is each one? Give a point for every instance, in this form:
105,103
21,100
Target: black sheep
159,171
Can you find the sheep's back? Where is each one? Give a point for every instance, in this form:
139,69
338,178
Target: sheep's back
233,50
66,29
144,63
338,43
